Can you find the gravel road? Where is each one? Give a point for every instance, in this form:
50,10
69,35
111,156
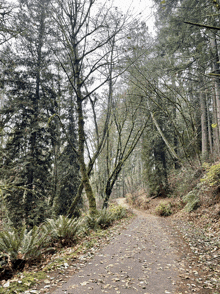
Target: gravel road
141,259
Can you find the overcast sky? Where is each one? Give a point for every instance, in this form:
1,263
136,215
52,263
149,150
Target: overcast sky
141,8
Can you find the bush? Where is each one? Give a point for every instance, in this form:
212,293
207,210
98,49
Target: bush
212,176
117,211
105,217
63,229
163,209
21,244
90,223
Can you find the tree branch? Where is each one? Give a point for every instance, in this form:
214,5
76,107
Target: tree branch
202,25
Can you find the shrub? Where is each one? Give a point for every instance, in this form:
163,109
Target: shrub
19,246
117,211
104,219
22,244
33,242
10,242
63,229
163,209
90,223
212,176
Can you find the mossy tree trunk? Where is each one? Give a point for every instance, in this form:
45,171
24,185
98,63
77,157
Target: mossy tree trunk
88,54
126,141
204,126
83,170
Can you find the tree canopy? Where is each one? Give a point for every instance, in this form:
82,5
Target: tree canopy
93,105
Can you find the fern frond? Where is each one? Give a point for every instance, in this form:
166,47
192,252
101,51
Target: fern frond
105,218
63,227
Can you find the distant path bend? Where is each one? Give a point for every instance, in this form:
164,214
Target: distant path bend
140,259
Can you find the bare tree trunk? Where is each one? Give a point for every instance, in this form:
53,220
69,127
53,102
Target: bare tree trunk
170,148
217,90
204,129
83,170
209,127
216,146
83,39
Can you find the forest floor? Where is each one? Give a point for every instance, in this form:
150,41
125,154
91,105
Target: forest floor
145,254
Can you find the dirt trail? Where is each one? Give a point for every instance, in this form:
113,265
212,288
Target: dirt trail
141,259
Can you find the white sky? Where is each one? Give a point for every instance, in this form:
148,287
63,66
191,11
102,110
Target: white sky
138,8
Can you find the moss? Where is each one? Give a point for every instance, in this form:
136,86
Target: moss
23,282
192,201
212,176
55,264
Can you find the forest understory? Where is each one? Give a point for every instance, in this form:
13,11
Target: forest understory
196,235
198,226
94,106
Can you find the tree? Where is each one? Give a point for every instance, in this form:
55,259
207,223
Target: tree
66,167
84,36
26,156
195,42
124,132
7,30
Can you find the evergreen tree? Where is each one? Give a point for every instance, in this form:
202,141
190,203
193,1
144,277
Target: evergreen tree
26,156
68,173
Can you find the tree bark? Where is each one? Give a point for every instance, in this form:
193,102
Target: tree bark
85,177
216,146
209,127
204,129
215,65
30,198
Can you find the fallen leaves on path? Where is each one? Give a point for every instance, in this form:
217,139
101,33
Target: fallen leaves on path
202,253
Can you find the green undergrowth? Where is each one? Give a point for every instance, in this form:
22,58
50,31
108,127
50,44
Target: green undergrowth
191,200
196,187
27,280
23,282
189,188
212,175
184,180
164,209
23,247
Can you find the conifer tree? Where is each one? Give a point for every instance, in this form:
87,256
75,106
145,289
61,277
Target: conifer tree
26,156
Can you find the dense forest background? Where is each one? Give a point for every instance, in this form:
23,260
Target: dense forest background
92,104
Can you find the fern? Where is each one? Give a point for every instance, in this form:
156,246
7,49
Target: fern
90,223
105,218
32,242
21,243
10,241
63,228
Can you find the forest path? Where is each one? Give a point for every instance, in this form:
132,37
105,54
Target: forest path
141,259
